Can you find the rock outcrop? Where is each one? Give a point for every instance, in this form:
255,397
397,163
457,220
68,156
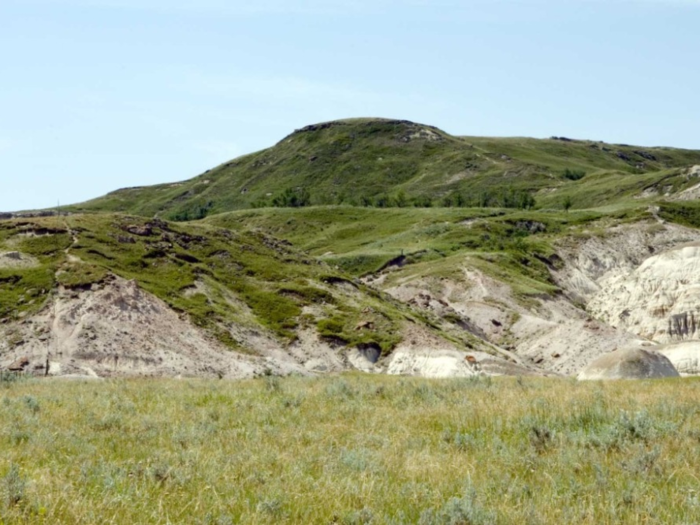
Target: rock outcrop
660,300
593,264
555,335
630,363
684,356
116,329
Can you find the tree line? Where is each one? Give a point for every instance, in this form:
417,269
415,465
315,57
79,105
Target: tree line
486,198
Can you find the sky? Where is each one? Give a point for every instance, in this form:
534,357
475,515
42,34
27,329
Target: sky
97,95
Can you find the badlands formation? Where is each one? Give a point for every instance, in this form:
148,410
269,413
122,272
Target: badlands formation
634,286
378,245
627,310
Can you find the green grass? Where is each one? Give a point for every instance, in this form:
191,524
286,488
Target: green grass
397,163
81,275
512,246
24,291
686,213
349,449
220,278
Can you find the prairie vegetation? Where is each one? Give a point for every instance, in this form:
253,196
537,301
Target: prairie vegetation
388,163
349,449
243,276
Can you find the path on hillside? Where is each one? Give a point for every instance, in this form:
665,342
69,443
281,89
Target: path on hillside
74,236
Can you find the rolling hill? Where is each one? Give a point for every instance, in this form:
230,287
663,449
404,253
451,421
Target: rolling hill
387,163
371,244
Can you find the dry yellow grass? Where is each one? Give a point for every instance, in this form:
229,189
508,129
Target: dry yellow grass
350,449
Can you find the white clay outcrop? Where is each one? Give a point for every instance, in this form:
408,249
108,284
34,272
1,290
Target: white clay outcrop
659,301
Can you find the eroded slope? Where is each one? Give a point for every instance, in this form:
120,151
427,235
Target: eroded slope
113,295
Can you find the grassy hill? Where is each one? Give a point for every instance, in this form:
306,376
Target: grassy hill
217,277
278,241
368,235
391,163
435,241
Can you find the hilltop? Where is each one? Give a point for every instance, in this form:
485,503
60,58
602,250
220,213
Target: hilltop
380,245
385,163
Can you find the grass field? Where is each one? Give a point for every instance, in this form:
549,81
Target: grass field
350,449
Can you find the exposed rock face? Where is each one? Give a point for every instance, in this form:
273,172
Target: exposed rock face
117,330
642,279
555,336
19,366
631,363
591,265
684,356
659,301
430,363
555,333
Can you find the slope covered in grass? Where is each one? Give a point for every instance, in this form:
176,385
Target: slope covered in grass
364,241
381,163
217,277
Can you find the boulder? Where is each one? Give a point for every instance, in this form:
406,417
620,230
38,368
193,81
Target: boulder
630,363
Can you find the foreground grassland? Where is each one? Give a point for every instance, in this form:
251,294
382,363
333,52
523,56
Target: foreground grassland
350,449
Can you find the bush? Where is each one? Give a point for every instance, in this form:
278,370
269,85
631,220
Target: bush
291,198
574,174
494,198
457,511
9,378
194,212
14,487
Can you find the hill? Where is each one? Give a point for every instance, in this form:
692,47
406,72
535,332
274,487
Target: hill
448,256
383,163
115,295
551,287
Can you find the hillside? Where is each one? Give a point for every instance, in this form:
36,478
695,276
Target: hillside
117,295
531,282
379,162
447,256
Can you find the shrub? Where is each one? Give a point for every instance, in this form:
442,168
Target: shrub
14,487
458,511
567,203
574,174
292,198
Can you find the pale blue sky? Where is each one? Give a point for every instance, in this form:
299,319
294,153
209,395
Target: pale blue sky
101,94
